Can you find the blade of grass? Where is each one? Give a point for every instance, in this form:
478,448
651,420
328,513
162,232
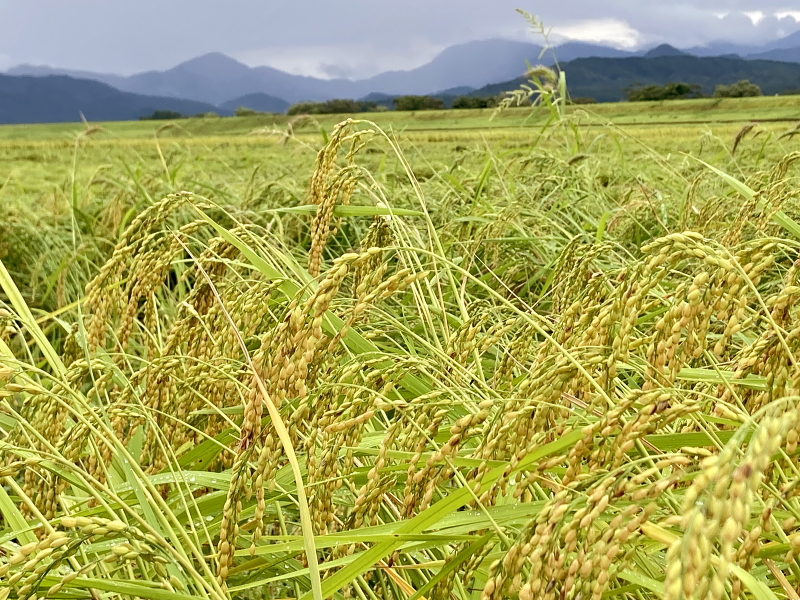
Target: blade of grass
23,312
14,518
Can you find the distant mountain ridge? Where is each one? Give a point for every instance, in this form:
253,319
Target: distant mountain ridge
789,42
779,54
664,50
605,79
57,98
216,79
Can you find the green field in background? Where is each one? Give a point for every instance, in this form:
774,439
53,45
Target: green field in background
40,161
706,110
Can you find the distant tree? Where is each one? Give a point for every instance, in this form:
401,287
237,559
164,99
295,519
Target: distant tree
340,106
371,106
243,111
418,103
474,102
740,89
161,115
583,100
334,107
206,115
464,102
668,91
305,108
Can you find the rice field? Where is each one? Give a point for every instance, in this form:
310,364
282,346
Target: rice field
551,355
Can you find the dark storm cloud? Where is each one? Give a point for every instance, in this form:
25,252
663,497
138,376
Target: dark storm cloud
346,37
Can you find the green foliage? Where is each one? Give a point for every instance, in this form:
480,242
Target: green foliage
334,107
340,106
243,111
418,103
545,87
740,89
321,108
668,91
474,102
305,108
162,115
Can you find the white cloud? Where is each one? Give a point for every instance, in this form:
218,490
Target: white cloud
600,31
756,16
795,14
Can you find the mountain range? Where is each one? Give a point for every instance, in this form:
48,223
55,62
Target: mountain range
216,78
220,83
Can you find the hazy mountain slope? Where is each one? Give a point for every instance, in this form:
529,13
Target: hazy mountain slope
461,90
473,64
43,71
260,102
790,41
217,78
722,49
57,98
783,52
476,64
747,51
572,50
780,54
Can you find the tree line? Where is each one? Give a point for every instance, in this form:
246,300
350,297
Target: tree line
683,91
345,106
407,103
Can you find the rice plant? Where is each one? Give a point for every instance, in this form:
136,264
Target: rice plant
522,381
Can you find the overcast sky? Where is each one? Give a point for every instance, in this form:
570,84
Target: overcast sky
352,38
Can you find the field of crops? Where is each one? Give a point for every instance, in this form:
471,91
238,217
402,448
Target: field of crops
553,355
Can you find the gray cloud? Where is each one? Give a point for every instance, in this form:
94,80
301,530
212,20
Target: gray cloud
346,37
688,24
